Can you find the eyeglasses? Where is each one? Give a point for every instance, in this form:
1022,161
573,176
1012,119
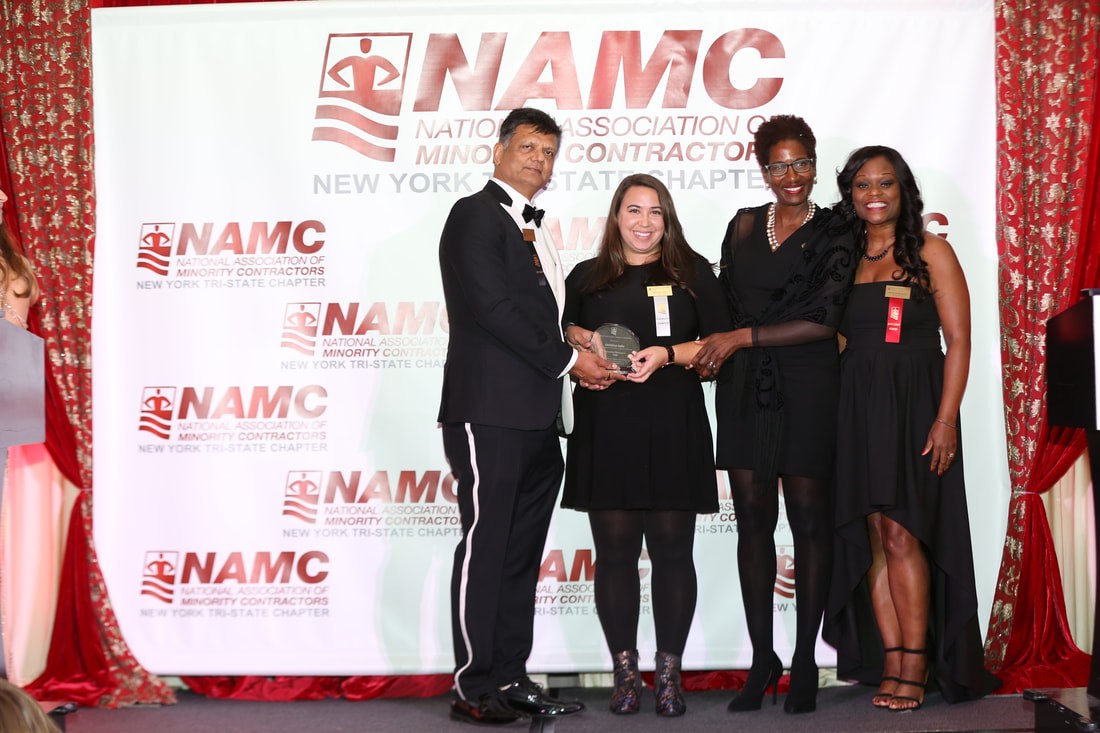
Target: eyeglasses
802,165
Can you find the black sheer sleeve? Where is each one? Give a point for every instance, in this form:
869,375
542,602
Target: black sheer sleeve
793,332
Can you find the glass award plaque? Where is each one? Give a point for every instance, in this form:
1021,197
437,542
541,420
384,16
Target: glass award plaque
615,343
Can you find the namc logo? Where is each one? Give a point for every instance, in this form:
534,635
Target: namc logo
364,75
206,249
300,495
164,571
155,247
300,324
307,494
362,83
158,578
361,330
284,412
157,404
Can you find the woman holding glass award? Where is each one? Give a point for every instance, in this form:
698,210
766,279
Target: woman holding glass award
639,460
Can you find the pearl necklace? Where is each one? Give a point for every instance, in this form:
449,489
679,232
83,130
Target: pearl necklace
880,255
773,241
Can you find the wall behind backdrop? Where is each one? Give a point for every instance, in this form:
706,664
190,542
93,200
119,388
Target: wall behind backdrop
271,181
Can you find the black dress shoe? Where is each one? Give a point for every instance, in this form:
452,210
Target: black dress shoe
489,710
525,696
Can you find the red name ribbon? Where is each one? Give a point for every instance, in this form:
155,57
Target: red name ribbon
893,320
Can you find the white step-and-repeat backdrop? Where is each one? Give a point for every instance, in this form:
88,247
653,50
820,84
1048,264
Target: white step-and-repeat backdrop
271,180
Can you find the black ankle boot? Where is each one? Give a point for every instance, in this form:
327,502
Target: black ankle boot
666,683
760,679
626,696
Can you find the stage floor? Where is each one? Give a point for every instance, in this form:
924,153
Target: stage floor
840,710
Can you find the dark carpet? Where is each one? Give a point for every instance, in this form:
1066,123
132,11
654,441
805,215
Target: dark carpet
840,709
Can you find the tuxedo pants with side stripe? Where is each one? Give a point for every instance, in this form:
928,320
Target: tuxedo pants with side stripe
507,486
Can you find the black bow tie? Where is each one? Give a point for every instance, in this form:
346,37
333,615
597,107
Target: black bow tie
530,212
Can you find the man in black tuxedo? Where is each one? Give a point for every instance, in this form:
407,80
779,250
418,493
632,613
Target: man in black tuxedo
503,385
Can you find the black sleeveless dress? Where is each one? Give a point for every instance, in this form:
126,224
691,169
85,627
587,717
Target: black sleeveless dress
649,445
889,399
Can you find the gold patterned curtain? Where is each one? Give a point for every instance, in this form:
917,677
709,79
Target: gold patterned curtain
45,120
46,133
1046,63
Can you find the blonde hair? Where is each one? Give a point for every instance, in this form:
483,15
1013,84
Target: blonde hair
14,266
20,713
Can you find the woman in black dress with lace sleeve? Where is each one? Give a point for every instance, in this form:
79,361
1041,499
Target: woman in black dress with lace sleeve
786,268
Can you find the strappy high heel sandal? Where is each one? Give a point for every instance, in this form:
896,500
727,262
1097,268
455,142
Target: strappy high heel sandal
905,707
881,698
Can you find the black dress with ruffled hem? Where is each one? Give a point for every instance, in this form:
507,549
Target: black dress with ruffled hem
889,399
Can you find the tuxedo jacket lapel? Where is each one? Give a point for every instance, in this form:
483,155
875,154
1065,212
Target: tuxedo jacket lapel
544,248
551,267
555,278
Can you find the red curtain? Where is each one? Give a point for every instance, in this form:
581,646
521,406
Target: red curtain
46,136
1086,267
60,439
1043,134
1059,447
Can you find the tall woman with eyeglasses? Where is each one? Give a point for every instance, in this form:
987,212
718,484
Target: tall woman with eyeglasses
786,267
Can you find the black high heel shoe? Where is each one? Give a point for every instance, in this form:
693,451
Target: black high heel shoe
752,694
802,695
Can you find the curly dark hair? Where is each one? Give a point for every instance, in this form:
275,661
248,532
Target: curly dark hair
677,257
778,128
909,230
543,123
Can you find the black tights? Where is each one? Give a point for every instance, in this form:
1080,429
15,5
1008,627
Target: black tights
669,538
808,510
